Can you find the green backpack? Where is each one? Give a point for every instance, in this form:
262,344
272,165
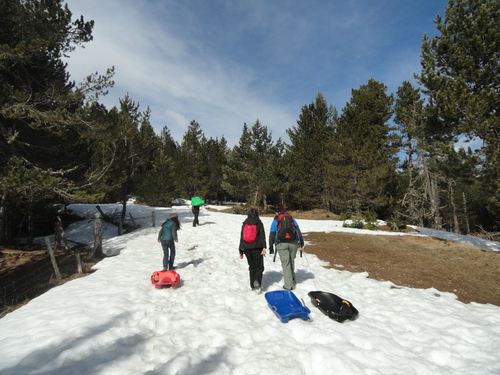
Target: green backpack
197,201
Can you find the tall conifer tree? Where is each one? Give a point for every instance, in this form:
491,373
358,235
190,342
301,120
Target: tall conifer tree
37,102
461,76
193,176
253,166
363,158
307,156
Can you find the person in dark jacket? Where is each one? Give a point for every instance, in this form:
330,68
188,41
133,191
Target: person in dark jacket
196,203
196,213
168,237
255,250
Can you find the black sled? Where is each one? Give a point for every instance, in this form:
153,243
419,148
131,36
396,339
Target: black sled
333,306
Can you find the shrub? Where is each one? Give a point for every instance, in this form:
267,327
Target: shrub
370,217
345,216
371,220
358,224
240,210
397,223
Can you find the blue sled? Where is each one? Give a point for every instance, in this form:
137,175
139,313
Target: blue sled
286,305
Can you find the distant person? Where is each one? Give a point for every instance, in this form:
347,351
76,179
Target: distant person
168,237
253,246
286,237
196,203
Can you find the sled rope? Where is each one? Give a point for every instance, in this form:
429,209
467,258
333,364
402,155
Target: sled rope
309,269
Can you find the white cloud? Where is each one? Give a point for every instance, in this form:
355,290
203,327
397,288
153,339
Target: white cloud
224,63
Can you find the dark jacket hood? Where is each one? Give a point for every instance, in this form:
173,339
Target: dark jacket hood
252,220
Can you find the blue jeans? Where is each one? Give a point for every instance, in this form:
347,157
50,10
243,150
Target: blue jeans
168,254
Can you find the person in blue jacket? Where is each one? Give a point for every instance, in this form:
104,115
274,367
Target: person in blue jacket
287,249
168,237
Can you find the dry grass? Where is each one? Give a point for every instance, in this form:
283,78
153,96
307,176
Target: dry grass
471,273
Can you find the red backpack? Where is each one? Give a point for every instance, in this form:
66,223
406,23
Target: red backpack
249,233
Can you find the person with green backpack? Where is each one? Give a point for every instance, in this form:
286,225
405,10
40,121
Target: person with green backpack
196,202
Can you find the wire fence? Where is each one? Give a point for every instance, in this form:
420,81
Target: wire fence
33,283
37,279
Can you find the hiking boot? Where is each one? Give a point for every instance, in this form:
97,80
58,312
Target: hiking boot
256,286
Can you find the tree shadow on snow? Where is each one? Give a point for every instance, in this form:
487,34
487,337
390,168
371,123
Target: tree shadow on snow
51,356
206,223
208,365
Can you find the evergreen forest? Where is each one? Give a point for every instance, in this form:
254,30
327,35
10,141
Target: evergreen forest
393,156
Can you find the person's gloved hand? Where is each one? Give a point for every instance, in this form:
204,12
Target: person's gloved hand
271,250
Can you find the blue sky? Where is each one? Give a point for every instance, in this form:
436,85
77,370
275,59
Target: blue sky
224,63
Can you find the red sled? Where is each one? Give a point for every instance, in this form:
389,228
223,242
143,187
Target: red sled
165,279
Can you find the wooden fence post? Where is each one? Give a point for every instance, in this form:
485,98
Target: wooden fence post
97,235
132,219
60,235
153,218
79,262
53,258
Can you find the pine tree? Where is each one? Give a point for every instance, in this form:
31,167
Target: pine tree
160,185
409,116
461,76
307,156
39,115
235,181
193,175
252,172
363,159
216,156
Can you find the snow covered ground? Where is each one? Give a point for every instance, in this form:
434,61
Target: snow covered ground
115,322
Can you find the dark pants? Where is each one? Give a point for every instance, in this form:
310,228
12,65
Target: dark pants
168,254
255,265
196,212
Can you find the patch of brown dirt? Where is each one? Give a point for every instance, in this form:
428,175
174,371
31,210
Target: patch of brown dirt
473,274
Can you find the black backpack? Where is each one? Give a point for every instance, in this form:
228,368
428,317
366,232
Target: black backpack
286,228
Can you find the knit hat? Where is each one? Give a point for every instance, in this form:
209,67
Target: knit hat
173,214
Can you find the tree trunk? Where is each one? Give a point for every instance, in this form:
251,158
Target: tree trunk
255,198
97,236
467,228
432,191
31,229
2,220
451,193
